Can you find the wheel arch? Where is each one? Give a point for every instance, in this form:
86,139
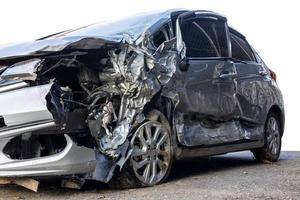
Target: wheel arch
162,104
166,107
280,114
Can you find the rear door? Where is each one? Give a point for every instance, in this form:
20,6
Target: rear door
250,79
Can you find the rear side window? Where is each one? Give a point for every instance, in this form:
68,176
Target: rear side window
205,38
241,49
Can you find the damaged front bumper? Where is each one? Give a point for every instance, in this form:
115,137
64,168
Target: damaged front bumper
26,112
72,160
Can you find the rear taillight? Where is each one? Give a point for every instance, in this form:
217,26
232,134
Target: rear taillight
273,75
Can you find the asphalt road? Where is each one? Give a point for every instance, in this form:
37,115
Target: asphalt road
231,176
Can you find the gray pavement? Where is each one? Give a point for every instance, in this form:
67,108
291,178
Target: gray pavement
231,176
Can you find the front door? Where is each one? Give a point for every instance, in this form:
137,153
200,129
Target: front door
207,88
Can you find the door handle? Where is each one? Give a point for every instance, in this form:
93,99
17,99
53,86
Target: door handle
228,74
263,72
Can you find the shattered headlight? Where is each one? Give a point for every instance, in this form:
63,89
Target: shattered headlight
21,71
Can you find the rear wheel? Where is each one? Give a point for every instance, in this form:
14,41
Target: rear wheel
152,154
271,150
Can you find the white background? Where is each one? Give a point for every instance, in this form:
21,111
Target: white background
272,28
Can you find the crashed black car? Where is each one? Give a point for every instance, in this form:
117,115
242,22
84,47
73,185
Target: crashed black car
120,102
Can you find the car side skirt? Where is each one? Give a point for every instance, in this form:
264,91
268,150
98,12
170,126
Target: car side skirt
186,153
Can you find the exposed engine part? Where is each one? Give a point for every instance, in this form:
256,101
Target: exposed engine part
109,115
138,76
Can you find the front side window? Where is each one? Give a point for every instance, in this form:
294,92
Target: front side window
204,37
241,49
161,36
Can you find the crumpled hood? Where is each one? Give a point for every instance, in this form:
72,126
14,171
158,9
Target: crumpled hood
29,48
46,46
89,37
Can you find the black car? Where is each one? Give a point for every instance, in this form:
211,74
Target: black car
120,102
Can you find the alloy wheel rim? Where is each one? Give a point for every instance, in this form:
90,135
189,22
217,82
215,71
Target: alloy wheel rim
273,134
151,153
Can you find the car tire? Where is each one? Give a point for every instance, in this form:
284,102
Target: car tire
152,155
271,151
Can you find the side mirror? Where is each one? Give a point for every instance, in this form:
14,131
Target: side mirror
184,65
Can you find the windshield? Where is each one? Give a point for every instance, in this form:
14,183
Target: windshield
132,26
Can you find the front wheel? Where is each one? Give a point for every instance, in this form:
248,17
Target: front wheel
152,154
271,151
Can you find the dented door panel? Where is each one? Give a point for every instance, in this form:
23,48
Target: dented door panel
253,92
208,107
205,93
